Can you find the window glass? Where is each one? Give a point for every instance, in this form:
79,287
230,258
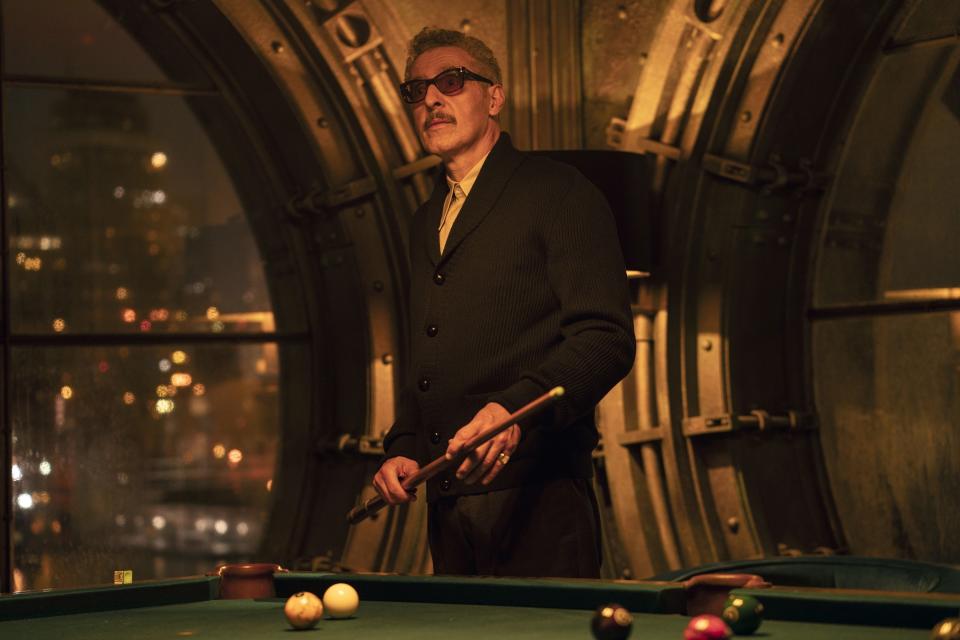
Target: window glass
888,400
151,458
122,219
83,41
892,229
142,449
930,19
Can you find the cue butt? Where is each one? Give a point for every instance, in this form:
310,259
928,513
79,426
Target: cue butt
365,510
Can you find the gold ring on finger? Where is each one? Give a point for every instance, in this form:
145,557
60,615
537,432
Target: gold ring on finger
503,458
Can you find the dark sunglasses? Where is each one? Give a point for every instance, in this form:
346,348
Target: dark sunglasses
449,82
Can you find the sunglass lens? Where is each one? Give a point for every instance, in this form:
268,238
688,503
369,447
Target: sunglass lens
449,82
413,91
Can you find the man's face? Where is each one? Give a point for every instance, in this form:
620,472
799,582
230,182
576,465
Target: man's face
450,125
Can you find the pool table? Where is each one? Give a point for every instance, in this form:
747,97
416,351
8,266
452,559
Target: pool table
397,607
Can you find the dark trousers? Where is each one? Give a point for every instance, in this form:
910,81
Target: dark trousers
548,529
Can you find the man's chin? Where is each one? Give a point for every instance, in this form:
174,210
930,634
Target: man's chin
437,142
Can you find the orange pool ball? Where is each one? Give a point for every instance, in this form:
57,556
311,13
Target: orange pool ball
303,610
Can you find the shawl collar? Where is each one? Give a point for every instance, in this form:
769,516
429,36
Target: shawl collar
494,176
434,210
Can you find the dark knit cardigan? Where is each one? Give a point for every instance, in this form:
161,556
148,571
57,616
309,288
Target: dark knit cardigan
530,293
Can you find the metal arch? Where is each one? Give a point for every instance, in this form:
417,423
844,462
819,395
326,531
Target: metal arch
754,63
712,98
685,63
744,272
351,42
335,58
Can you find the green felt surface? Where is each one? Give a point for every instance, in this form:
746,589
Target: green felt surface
263,619
551,593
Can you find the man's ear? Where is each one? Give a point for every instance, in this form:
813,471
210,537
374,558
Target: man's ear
497,99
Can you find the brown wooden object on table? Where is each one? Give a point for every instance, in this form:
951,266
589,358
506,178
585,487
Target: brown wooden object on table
708,592
255,580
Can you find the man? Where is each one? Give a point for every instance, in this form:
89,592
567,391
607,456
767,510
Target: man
517,286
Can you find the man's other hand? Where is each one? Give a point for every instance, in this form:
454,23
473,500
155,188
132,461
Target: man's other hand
389,479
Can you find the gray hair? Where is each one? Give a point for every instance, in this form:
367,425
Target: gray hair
433,37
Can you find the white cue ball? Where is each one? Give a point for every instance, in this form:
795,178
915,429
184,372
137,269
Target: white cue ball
340,600
303,610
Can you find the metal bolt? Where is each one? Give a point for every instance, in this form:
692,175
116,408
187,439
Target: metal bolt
322,123
777,40
277,46
386,358
733,524
707,344
746,116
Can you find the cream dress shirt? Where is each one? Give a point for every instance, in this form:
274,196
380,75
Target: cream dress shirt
456,195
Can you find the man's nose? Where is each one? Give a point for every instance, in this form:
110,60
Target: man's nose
434,97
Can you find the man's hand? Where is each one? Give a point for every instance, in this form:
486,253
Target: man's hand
486,461
388,480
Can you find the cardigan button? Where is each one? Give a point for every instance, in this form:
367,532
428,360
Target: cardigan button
444,485
435,437
424,384
432,330
439,278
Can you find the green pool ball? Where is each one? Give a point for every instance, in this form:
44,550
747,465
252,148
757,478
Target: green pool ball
743,614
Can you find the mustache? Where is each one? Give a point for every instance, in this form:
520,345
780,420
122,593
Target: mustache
438,115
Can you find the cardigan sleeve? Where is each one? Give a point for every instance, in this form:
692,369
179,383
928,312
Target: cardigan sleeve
586,273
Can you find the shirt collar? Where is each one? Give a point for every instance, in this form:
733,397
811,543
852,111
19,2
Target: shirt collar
467,183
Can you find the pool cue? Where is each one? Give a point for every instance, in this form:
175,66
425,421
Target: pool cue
374,504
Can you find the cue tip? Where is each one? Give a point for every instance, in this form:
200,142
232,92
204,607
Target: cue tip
556,392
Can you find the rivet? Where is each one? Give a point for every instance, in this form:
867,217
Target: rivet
707,344
777,40
386,358
322,123
622,12
746,116
277,46
465,26
733,524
